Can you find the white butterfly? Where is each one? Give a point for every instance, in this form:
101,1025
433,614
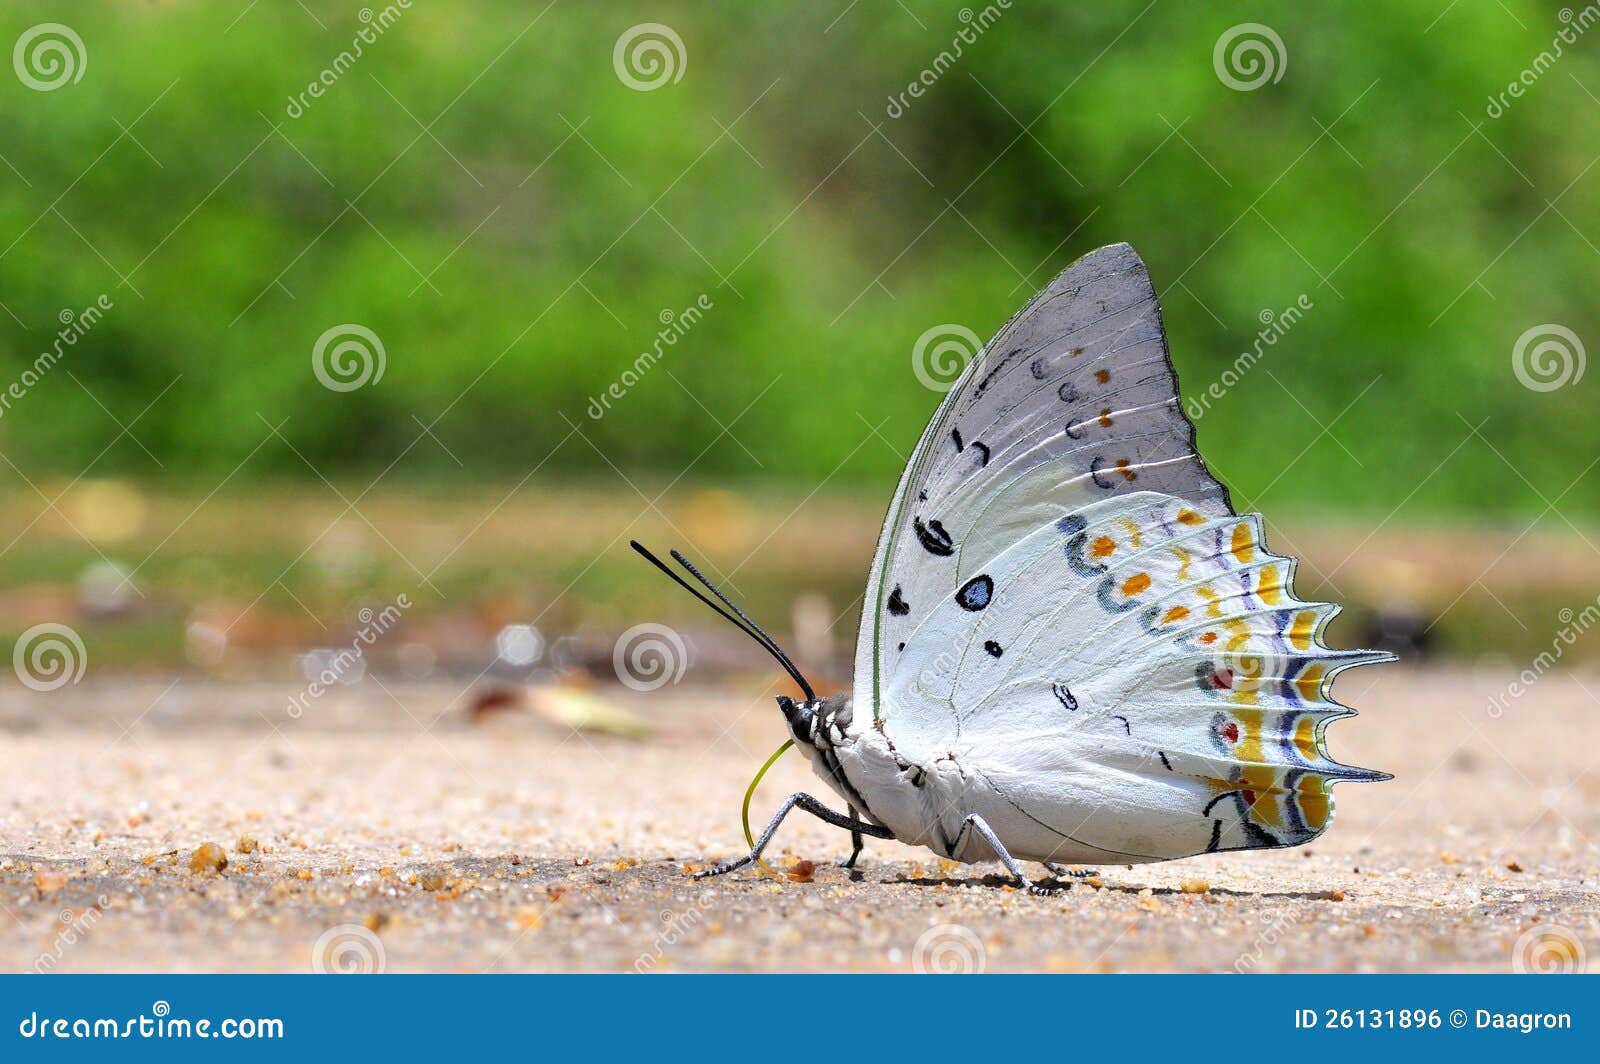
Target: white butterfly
1072,649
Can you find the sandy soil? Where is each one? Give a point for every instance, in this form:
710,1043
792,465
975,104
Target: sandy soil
390,832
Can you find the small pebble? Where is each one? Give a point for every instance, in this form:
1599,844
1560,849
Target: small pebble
208,857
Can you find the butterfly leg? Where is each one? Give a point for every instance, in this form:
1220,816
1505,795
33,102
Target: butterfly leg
977,822
816,809
856,844
1062,871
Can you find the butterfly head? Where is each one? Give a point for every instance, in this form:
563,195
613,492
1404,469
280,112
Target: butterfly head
801,717
817,721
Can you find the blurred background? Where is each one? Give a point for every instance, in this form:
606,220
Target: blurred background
341,304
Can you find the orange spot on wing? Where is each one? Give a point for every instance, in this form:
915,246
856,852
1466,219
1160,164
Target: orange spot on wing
1244,547
1305,738
1136,584
1122,467
1176,613
1103,547
1102,375
1300,631
1105,422
1189,517
1310,683
1271,587
1316,803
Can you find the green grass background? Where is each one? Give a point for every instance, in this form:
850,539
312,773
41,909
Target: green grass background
229,236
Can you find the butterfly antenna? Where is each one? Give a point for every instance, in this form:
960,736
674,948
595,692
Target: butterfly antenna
754,631
771,643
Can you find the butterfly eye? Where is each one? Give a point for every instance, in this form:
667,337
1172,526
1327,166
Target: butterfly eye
800,717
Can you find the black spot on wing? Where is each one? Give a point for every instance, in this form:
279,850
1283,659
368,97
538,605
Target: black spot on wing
1164,761
988,378
933,537
1125,726
979,445
993,649
1094,473
975,593
897,603
1064,696
955,435
1069,393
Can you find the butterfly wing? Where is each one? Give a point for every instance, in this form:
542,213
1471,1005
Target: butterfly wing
1064,599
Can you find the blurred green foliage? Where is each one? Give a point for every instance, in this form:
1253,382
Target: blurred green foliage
483,191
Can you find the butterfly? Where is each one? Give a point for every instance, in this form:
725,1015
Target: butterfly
1072,648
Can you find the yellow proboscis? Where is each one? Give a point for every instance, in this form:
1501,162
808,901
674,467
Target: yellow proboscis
751,792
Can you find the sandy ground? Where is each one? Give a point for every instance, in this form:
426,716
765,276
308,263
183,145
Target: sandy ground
397,835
